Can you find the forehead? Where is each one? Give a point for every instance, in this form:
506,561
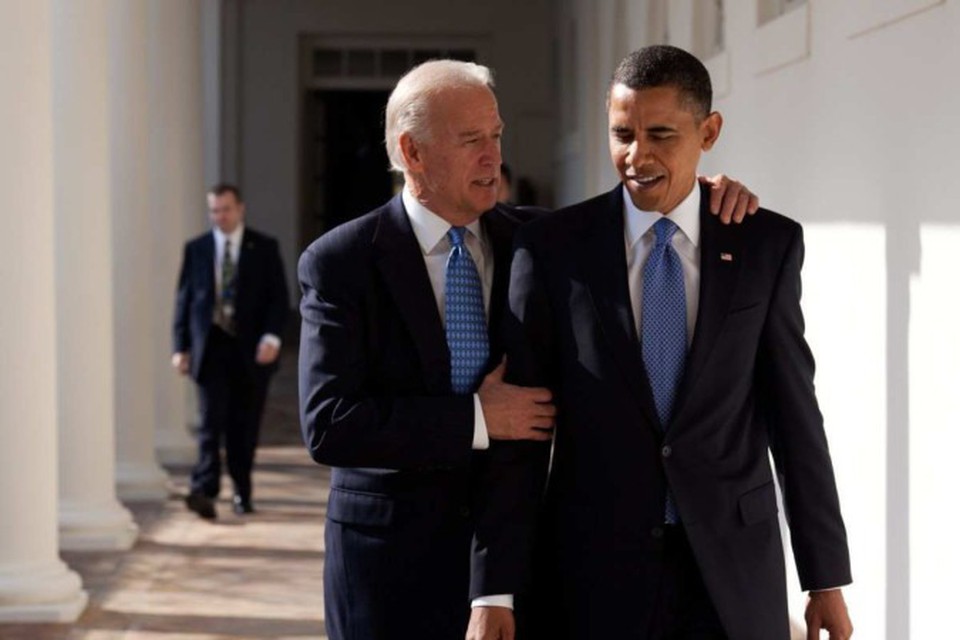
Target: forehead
222,200
655,102
465,109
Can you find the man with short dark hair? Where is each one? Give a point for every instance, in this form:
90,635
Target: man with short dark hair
674,348
232,303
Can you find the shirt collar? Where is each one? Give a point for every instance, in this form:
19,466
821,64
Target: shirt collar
234,236
429,228
685,215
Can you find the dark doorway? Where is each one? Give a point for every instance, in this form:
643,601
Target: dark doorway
346,170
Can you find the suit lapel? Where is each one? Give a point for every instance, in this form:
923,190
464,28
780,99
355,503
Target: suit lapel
605,266
248,256
400,263
720,260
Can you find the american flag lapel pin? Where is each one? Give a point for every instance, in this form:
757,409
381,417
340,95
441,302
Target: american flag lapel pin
726,257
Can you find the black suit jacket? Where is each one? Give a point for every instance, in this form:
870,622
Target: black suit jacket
262,299
376,405
748,389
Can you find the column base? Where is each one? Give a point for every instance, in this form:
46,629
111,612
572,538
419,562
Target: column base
96,527
176,454
51,593
142,483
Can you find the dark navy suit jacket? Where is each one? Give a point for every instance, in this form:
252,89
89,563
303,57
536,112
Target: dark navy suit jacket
262,301
748,390
377,406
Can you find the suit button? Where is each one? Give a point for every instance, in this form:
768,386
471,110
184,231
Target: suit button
666,451
465,512
657,532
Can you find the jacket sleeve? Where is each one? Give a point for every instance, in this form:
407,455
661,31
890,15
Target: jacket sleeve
785,372
278,296
512,482
346,422
181,311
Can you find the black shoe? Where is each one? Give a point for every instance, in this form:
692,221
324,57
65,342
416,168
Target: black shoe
242,506
201,505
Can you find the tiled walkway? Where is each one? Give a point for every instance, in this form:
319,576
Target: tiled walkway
258,576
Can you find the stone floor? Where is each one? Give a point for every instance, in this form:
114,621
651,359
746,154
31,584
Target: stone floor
258,576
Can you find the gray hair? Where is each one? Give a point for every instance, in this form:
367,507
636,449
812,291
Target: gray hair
408,106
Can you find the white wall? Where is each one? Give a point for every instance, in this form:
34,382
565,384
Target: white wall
266,164
851,128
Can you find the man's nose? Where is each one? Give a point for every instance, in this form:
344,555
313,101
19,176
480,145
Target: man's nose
491,153
638,153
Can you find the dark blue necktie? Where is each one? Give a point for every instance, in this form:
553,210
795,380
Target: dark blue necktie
663,328
466,320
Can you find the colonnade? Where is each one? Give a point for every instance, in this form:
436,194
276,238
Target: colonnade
101,180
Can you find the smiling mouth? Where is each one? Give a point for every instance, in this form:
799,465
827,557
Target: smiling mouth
485,182
646,182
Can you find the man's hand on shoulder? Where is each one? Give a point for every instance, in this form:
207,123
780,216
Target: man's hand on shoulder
729,199
516,413
491,623
827,610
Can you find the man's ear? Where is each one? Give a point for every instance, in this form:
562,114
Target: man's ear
411,152
710,130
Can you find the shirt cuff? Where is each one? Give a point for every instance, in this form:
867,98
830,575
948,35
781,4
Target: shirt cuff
271,339
504,600
481,440
830,588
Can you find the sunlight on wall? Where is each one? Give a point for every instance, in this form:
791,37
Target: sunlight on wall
844,302
934,432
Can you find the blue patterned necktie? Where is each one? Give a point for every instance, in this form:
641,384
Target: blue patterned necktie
466,320
663,328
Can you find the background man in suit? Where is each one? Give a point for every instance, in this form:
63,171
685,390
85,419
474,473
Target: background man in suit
232,303
674,346
399,385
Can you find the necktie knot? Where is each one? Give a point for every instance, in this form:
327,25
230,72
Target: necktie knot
457,235
664,229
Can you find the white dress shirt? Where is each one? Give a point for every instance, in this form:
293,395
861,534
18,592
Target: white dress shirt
640,238
219,245
431,233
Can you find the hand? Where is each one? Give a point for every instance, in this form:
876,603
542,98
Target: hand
267,352
730,199
491,623
827,610
515,413
181,362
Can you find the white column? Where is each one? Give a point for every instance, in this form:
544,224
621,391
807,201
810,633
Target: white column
90,516
34,584
176,197
139,477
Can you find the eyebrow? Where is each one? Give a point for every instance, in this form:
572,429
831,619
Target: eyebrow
476,132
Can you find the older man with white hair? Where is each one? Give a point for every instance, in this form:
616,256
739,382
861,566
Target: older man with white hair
401,372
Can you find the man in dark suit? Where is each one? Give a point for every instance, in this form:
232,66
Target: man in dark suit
398,386
232,302
674,347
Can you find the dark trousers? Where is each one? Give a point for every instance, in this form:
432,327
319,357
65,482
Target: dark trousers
683,609
672,604
232,396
